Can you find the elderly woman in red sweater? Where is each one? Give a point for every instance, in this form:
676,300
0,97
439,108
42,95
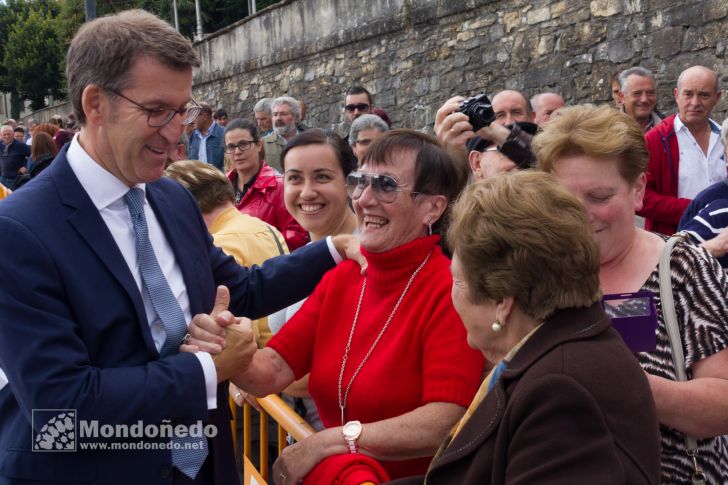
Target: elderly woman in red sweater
390,368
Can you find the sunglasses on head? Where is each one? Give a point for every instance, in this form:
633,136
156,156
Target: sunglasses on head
353,107
384,187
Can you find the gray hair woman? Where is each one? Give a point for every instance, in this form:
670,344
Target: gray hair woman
364,130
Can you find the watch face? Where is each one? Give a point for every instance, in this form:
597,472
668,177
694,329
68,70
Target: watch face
352,429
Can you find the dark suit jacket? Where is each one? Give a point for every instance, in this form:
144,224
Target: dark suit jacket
573,407
74,335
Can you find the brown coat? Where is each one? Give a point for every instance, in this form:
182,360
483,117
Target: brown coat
573,406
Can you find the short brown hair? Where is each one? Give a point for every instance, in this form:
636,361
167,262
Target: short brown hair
210,187
104,51
523,235
598,132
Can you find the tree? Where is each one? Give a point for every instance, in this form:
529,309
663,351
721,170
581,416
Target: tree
33,58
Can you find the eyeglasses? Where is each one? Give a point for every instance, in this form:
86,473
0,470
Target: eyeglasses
242,145
365,142
384,187
353,107
159,117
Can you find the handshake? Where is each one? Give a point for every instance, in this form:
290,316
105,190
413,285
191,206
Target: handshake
228,339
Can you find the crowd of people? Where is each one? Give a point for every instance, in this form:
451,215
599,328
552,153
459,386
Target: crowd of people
439,308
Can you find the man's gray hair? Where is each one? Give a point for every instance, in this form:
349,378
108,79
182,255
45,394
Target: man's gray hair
184,140
637,70
265,104
104,51
292,102
366,122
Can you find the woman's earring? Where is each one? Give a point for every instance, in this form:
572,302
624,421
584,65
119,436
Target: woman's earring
429,228
497,327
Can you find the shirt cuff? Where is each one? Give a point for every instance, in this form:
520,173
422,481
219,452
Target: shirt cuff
208,367
332,249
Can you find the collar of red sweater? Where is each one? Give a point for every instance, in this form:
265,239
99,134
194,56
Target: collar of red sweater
395,267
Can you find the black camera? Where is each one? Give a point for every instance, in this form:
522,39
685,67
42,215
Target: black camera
479,110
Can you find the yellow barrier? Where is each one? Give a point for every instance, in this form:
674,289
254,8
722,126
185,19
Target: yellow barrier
289,422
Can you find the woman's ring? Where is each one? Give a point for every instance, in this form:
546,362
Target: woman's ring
452,130
283,476
237,395
187,338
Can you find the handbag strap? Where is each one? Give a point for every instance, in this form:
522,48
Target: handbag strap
673,332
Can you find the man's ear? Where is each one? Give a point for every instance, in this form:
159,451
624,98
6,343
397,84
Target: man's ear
94,103
620,96
474,162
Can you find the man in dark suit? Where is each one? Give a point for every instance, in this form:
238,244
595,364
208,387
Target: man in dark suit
104,264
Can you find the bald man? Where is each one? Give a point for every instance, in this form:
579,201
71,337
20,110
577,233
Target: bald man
543,105
686,152
511,106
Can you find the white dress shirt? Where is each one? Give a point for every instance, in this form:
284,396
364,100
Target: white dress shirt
107,194
698,171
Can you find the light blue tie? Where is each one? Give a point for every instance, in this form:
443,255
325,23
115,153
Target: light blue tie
190,460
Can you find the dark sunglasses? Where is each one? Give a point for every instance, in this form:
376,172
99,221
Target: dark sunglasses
384,187
353,107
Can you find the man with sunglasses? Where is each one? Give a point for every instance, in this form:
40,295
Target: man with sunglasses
358,102
104,264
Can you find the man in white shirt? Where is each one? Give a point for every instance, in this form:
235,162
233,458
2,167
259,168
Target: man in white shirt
105,263
686,154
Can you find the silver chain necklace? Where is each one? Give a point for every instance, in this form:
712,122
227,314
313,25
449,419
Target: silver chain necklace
342,401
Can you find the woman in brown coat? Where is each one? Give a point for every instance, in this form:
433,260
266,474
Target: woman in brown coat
567,401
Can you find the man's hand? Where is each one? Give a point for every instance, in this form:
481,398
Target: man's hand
207,332
348,247
240,348
453,129
494,132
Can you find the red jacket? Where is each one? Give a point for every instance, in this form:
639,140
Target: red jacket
264,200
661,206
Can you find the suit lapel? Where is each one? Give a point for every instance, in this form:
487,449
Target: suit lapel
90,226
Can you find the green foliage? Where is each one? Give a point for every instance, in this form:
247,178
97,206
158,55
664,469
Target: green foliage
32,58
35,35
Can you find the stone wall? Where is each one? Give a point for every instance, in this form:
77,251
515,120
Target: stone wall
414,54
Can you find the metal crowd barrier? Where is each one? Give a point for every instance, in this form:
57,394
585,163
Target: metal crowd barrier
289,422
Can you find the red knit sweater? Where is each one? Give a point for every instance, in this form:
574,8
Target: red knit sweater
422,357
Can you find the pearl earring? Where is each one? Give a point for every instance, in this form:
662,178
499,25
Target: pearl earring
497,327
